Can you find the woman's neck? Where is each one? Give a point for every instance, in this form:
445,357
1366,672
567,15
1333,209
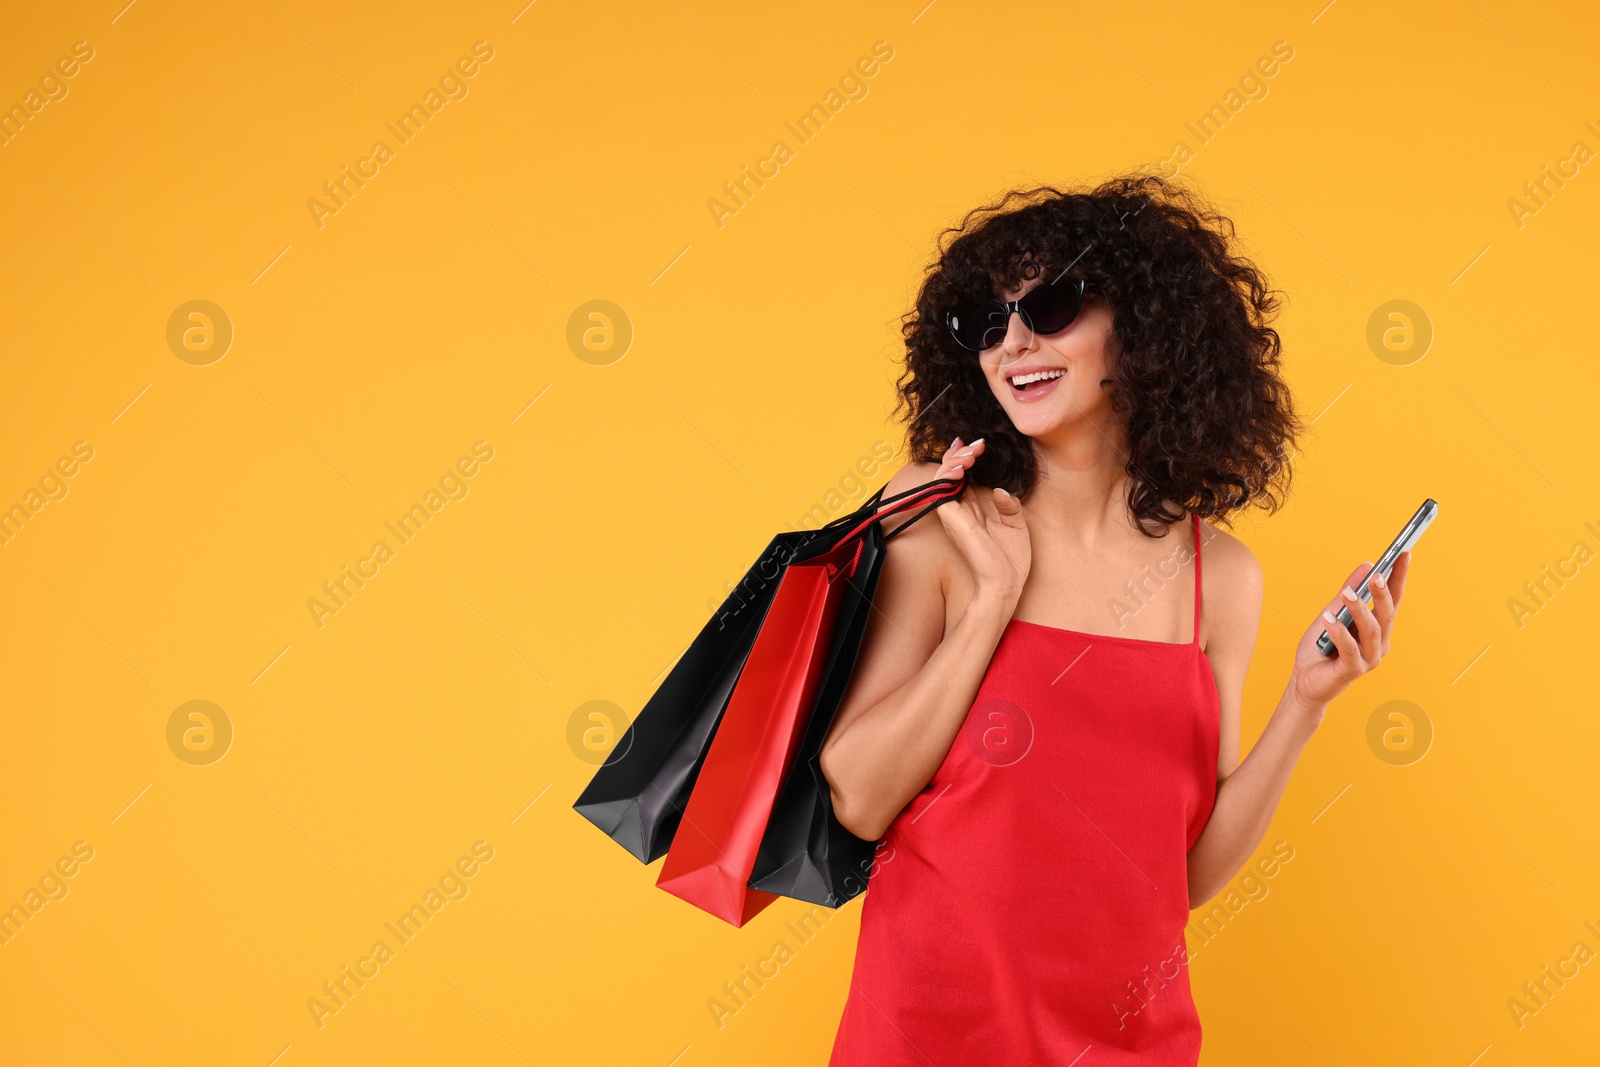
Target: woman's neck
1082,488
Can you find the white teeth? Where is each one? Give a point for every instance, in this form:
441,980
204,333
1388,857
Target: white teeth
1026,379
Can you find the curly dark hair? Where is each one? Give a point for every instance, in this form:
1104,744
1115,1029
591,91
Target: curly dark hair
1210,423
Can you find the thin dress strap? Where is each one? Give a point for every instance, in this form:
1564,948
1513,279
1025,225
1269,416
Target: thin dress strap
1196,517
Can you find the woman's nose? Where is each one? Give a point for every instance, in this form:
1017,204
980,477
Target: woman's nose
1019,337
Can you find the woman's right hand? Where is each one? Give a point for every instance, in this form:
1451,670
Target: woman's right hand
989,531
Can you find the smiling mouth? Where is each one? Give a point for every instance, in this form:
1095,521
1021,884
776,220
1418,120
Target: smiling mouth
1028,386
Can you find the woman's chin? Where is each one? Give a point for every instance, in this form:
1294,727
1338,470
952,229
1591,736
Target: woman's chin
1042,419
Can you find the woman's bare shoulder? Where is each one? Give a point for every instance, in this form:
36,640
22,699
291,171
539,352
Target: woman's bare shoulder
910,476
1227,557
920,571
1234,583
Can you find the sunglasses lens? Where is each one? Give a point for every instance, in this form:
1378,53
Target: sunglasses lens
995,324
979,326
1051,308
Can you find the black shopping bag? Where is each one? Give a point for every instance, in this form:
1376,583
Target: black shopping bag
637,795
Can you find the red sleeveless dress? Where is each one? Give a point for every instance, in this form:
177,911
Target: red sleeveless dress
1028,906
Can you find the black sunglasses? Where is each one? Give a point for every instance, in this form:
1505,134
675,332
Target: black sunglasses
1048,308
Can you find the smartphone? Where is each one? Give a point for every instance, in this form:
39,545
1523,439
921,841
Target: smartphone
1408,537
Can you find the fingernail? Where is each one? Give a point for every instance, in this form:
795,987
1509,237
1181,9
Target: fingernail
1349,594
978,442
1329,616
1377,580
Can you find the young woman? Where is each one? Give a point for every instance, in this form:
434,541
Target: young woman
1043,724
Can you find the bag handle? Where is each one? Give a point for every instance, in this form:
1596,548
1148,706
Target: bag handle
876,500
940,491
853,516
890,536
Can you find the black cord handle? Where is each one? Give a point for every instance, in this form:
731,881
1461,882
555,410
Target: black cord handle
940,489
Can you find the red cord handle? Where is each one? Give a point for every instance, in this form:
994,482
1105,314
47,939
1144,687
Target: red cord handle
939,490
942,489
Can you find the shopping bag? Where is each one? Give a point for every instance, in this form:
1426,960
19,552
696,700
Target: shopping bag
806,853
636,797
776,698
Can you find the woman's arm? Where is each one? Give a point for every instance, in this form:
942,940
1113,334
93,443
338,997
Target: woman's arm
1248,797
914,680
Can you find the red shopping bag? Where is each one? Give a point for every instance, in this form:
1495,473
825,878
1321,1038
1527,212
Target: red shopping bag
715,849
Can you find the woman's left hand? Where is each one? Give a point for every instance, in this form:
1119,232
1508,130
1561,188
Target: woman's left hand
1317,678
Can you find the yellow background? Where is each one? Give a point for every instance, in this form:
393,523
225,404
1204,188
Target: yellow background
369,354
